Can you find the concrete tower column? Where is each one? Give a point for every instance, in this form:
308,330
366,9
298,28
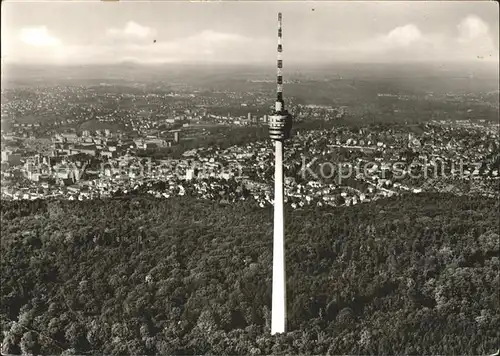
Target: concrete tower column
280,123
278,311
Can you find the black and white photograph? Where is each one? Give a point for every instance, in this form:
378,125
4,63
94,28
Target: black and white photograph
249,177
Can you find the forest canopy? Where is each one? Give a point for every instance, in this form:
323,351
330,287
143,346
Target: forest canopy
414,274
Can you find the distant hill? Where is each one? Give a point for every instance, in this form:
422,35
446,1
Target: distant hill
414,274
414,77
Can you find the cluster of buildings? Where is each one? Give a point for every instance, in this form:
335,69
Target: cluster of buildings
379,163
82,162
41,112
11,158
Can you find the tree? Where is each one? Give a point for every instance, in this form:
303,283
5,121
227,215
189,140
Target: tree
29,343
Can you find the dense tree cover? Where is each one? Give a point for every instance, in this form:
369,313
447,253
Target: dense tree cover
414,274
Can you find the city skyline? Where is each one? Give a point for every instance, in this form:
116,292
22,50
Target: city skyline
242,32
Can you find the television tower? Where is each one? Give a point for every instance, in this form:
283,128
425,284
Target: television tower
280,124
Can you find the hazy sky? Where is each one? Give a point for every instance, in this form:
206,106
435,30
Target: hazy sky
104,32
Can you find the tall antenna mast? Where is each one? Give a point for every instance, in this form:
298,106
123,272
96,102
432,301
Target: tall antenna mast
280,104
280,124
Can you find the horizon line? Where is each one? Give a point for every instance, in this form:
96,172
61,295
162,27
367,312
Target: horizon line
256,63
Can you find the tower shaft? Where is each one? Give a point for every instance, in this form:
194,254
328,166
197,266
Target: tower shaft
278,310
279,130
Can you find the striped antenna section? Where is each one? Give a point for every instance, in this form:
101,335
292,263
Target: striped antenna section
280,104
